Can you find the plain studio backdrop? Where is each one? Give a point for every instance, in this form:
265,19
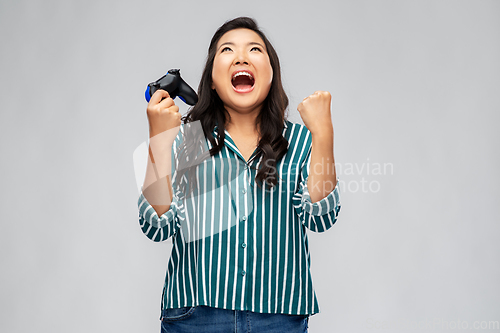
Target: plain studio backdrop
416,105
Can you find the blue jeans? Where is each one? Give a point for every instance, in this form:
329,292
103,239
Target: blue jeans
204,319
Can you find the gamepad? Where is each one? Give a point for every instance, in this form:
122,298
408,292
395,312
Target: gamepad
174,85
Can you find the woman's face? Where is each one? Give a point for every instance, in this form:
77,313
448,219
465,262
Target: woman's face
242,72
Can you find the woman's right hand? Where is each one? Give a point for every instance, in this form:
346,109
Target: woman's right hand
163,115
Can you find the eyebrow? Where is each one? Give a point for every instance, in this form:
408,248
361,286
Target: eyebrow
251,43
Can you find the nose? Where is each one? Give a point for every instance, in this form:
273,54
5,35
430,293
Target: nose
240,59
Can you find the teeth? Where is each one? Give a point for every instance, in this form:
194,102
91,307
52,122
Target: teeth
242,73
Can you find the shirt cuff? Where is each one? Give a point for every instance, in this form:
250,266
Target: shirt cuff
148,213
324,206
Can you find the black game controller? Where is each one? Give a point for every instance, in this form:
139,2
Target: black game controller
174,85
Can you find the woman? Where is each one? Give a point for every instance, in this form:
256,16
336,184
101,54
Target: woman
238,212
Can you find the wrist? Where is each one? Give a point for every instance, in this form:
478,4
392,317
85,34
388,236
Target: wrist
323,136
163,138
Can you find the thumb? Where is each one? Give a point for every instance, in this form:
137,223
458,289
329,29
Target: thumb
158,96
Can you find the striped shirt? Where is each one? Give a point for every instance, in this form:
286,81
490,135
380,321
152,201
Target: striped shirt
239,246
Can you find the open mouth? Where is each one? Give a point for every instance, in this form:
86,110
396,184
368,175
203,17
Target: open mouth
242,82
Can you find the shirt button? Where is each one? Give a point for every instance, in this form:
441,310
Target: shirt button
244,245
246,167
244,191
244,218
243,273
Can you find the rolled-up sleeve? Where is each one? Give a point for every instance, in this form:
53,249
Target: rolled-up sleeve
318,216
159,228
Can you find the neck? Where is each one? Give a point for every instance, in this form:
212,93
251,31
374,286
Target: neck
244,123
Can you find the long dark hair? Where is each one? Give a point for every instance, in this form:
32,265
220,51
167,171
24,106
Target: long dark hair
210,111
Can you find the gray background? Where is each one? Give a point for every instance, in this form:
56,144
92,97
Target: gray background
415,84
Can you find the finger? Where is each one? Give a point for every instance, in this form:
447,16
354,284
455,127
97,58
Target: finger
300,106
166,103
326,96
323,93
158,96
174,108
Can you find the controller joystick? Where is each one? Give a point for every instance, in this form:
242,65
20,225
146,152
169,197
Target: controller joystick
174,85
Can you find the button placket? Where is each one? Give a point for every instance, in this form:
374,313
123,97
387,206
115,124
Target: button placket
245,207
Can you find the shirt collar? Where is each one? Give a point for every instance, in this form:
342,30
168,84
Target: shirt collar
216,127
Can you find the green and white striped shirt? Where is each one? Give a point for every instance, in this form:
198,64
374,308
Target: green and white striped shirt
239,246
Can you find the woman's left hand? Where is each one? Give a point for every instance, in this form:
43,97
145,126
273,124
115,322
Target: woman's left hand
315,112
